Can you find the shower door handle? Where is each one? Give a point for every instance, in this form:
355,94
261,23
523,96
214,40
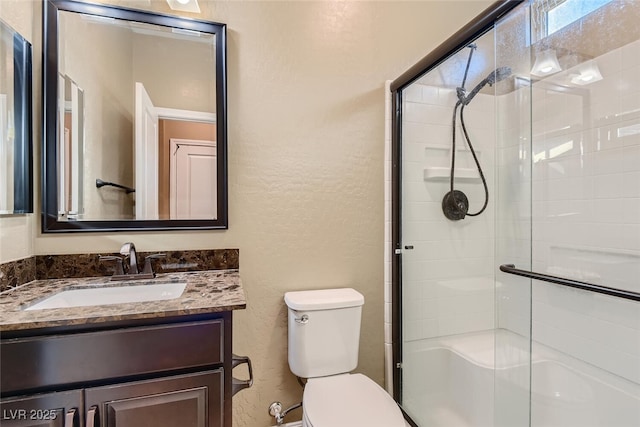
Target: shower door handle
398,251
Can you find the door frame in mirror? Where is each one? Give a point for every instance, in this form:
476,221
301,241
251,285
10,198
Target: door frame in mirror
50,223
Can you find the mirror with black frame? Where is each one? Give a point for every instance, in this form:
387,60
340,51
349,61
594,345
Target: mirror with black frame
134,120
16,158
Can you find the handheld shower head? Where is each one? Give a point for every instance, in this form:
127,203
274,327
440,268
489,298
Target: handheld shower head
498,75
455,204
495,76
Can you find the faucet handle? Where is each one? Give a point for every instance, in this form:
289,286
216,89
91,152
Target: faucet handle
126,248
147,262
119,270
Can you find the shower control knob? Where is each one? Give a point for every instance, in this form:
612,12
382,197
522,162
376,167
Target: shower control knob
455,205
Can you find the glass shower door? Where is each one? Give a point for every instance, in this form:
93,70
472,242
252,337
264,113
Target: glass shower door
585,368
448,297
512,357
486,340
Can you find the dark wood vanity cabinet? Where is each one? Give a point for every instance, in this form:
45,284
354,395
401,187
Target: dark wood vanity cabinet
157,375
193,400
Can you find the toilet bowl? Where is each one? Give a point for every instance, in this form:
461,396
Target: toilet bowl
324,332
348,400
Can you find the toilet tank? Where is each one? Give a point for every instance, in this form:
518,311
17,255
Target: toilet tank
324,331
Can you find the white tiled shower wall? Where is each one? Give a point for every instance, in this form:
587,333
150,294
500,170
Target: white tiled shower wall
585,213
448,276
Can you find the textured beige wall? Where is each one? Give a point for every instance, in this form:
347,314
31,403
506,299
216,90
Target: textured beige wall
188,65
306,138
16,231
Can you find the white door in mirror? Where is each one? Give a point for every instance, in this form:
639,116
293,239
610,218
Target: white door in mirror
193,173
146,155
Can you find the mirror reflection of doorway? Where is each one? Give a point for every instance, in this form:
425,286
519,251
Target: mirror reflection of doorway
188,164
162,191
71,147
192,174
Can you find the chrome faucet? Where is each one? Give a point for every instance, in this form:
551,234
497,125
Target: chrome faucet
129,249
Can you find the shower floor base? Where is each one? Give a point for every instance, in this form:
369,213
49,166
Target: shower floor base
435,413
450,379
459,381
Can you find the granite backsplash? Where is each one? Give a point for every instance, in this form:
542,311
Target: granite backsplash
40,267
16,273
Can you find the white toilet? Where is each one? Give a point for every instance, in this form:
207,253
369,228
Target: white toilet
324,334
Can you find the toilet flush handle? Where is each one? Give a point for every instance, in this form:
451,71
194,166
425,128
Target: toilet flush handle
304,319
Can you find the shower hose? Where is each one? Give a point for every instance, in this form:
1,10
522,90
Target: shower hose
461,92
473,153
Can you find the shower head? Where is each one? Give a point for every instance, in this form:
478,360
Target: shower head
495,76
498,75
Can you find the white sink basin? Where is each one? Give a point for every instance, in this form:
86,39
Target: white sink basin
111,295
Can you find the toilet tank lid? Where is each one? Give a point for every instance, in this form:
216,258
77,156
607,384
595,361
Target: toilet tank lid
323,299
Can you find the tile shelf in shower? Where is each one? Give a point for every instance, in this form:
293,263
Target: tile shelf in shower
438,167
436,173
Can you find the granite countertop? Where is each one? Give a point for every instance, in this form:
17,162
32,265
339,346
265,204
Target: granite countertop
206,292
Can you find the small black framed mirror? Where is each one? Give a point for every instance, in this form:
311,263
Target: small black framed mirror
135,126
16,149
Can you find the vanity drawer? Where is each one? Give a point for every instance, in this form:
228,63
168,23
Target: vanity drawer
41,362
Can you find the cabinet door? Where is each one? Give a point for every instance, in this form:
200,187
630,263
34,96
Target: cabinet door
192,400
61,409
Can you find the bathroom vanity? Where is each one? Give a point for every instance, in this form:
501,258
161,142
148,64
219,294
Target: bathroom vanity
157,363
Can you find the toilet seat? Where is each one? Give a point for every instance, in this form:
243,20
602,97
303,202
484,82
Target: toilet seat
348,400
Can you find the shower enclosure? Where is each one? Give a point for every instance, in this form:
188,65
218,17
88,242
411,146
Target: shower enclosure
516,220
